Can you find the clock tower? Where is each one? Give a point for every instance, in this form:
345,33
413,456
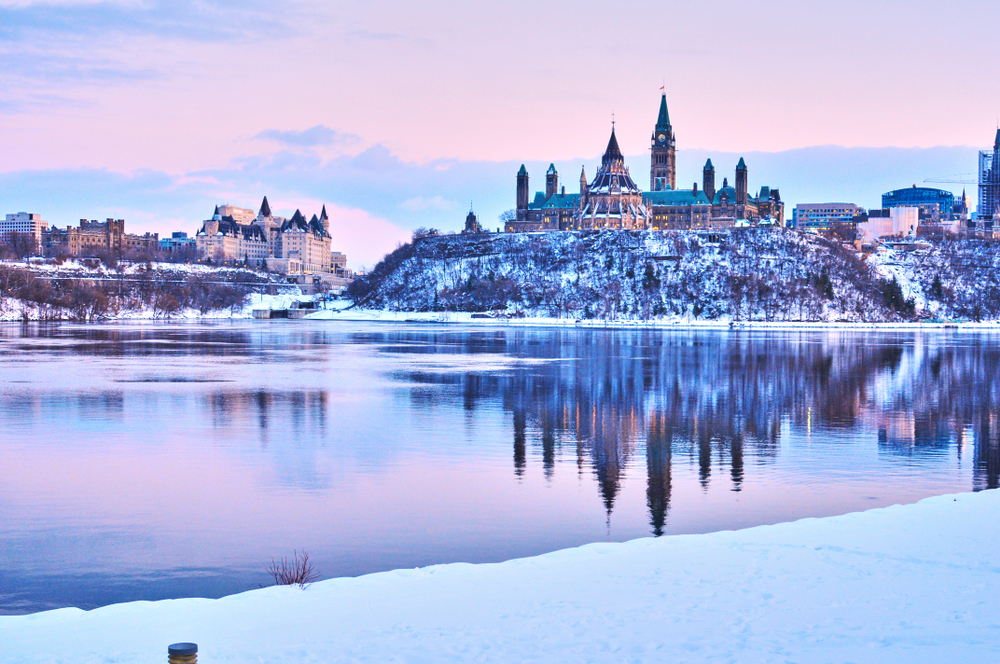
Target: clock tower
663,164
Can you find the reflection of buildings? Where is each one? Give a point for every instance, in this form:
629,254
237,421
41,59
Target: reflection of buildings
624,393
987,452
659,444
717,402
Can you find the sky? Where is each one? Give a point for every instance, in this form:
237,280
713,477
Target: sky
397,115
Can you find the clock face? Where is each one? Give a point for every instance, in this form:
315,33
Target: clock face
662,138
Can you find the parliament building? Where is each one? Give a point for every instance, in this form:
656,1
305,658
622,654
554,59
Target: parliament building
613,199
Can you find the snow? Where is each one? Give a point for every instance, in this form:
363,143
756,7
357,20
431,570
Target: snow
343,311
133,308
254,301
771,275
915,583
889,264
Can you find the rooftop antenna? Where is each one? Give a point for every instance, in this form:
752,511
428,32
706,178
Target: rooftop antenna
612,120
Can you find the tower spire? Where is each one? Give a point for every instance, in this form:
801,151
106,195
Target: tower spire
663,119
613,153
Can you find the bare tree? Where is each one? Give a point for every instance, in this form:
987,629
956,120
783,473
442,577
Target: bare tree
20,245
295,572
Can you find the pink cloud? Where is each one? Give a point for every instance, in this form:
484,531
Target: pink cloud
363,237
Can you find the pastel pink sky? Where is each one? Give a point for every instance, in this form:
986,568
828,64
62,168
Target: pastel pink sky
192,86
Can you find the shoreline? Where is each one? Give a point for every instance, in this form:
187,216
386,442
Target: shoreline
466,318
901,583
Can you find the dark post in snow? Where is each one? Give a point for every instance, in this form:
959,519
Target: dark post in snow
182,653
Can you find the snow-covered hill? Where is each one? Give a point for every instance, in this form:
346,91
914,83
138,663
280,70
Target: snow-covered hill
763,275
85,292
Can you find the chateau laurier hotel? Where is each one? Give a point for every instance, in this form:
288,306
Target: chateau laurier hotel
613,200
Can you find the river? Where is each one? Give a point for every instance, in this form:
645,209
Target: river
161,460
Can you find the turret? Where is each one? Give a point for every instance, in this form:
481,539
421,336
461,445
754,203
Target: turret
741,182
325,220
708,180
472,222
265,210
522,194
551,182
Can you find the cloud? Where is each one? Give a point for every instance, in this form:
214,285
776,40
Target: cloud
312,137
387,37
419,203
190,20
27,103
53,67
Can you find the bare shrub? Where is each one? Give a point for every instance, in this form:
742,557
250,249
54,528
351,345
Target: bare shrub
295,572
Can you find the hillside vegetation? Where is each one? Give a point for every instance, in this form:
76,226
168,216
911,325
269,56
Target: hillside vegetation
76,291
760,275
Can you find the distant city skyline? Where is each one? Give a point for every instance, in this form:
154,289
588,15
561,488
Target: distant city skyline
168,107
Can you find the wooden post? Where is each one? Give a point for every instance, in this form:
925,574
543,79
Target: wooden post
182,653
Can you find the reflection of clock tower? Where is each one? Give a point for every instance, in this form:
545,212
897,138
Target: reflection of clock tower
663,165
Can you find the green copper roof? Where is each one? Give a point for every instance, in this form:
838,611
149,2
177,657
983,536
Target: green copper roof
675,197
663,120
523,171
730,192
742,166
562,201
538,202
552,168
708,165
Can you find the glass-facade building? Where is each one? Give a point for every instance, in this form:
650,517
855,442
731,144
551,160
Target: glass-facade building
934,204
823,217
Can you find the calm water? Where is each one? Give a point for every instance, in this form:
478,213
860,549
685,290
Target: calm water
153,461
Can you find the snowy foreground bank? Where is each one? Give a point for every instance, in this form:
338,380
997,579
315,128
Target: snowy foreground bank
916,583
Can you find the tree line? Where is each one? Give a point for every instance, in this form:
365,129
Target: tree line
36,295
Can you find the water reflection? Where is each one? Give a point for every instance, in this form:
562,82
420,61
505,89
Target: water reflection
379,446
722,399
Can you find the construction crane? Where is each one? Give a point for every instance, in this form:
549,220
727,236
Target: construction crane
952,179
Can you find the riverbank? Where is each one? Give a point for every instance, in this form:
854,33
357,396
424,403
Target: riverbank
915,583
93,292
343,313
